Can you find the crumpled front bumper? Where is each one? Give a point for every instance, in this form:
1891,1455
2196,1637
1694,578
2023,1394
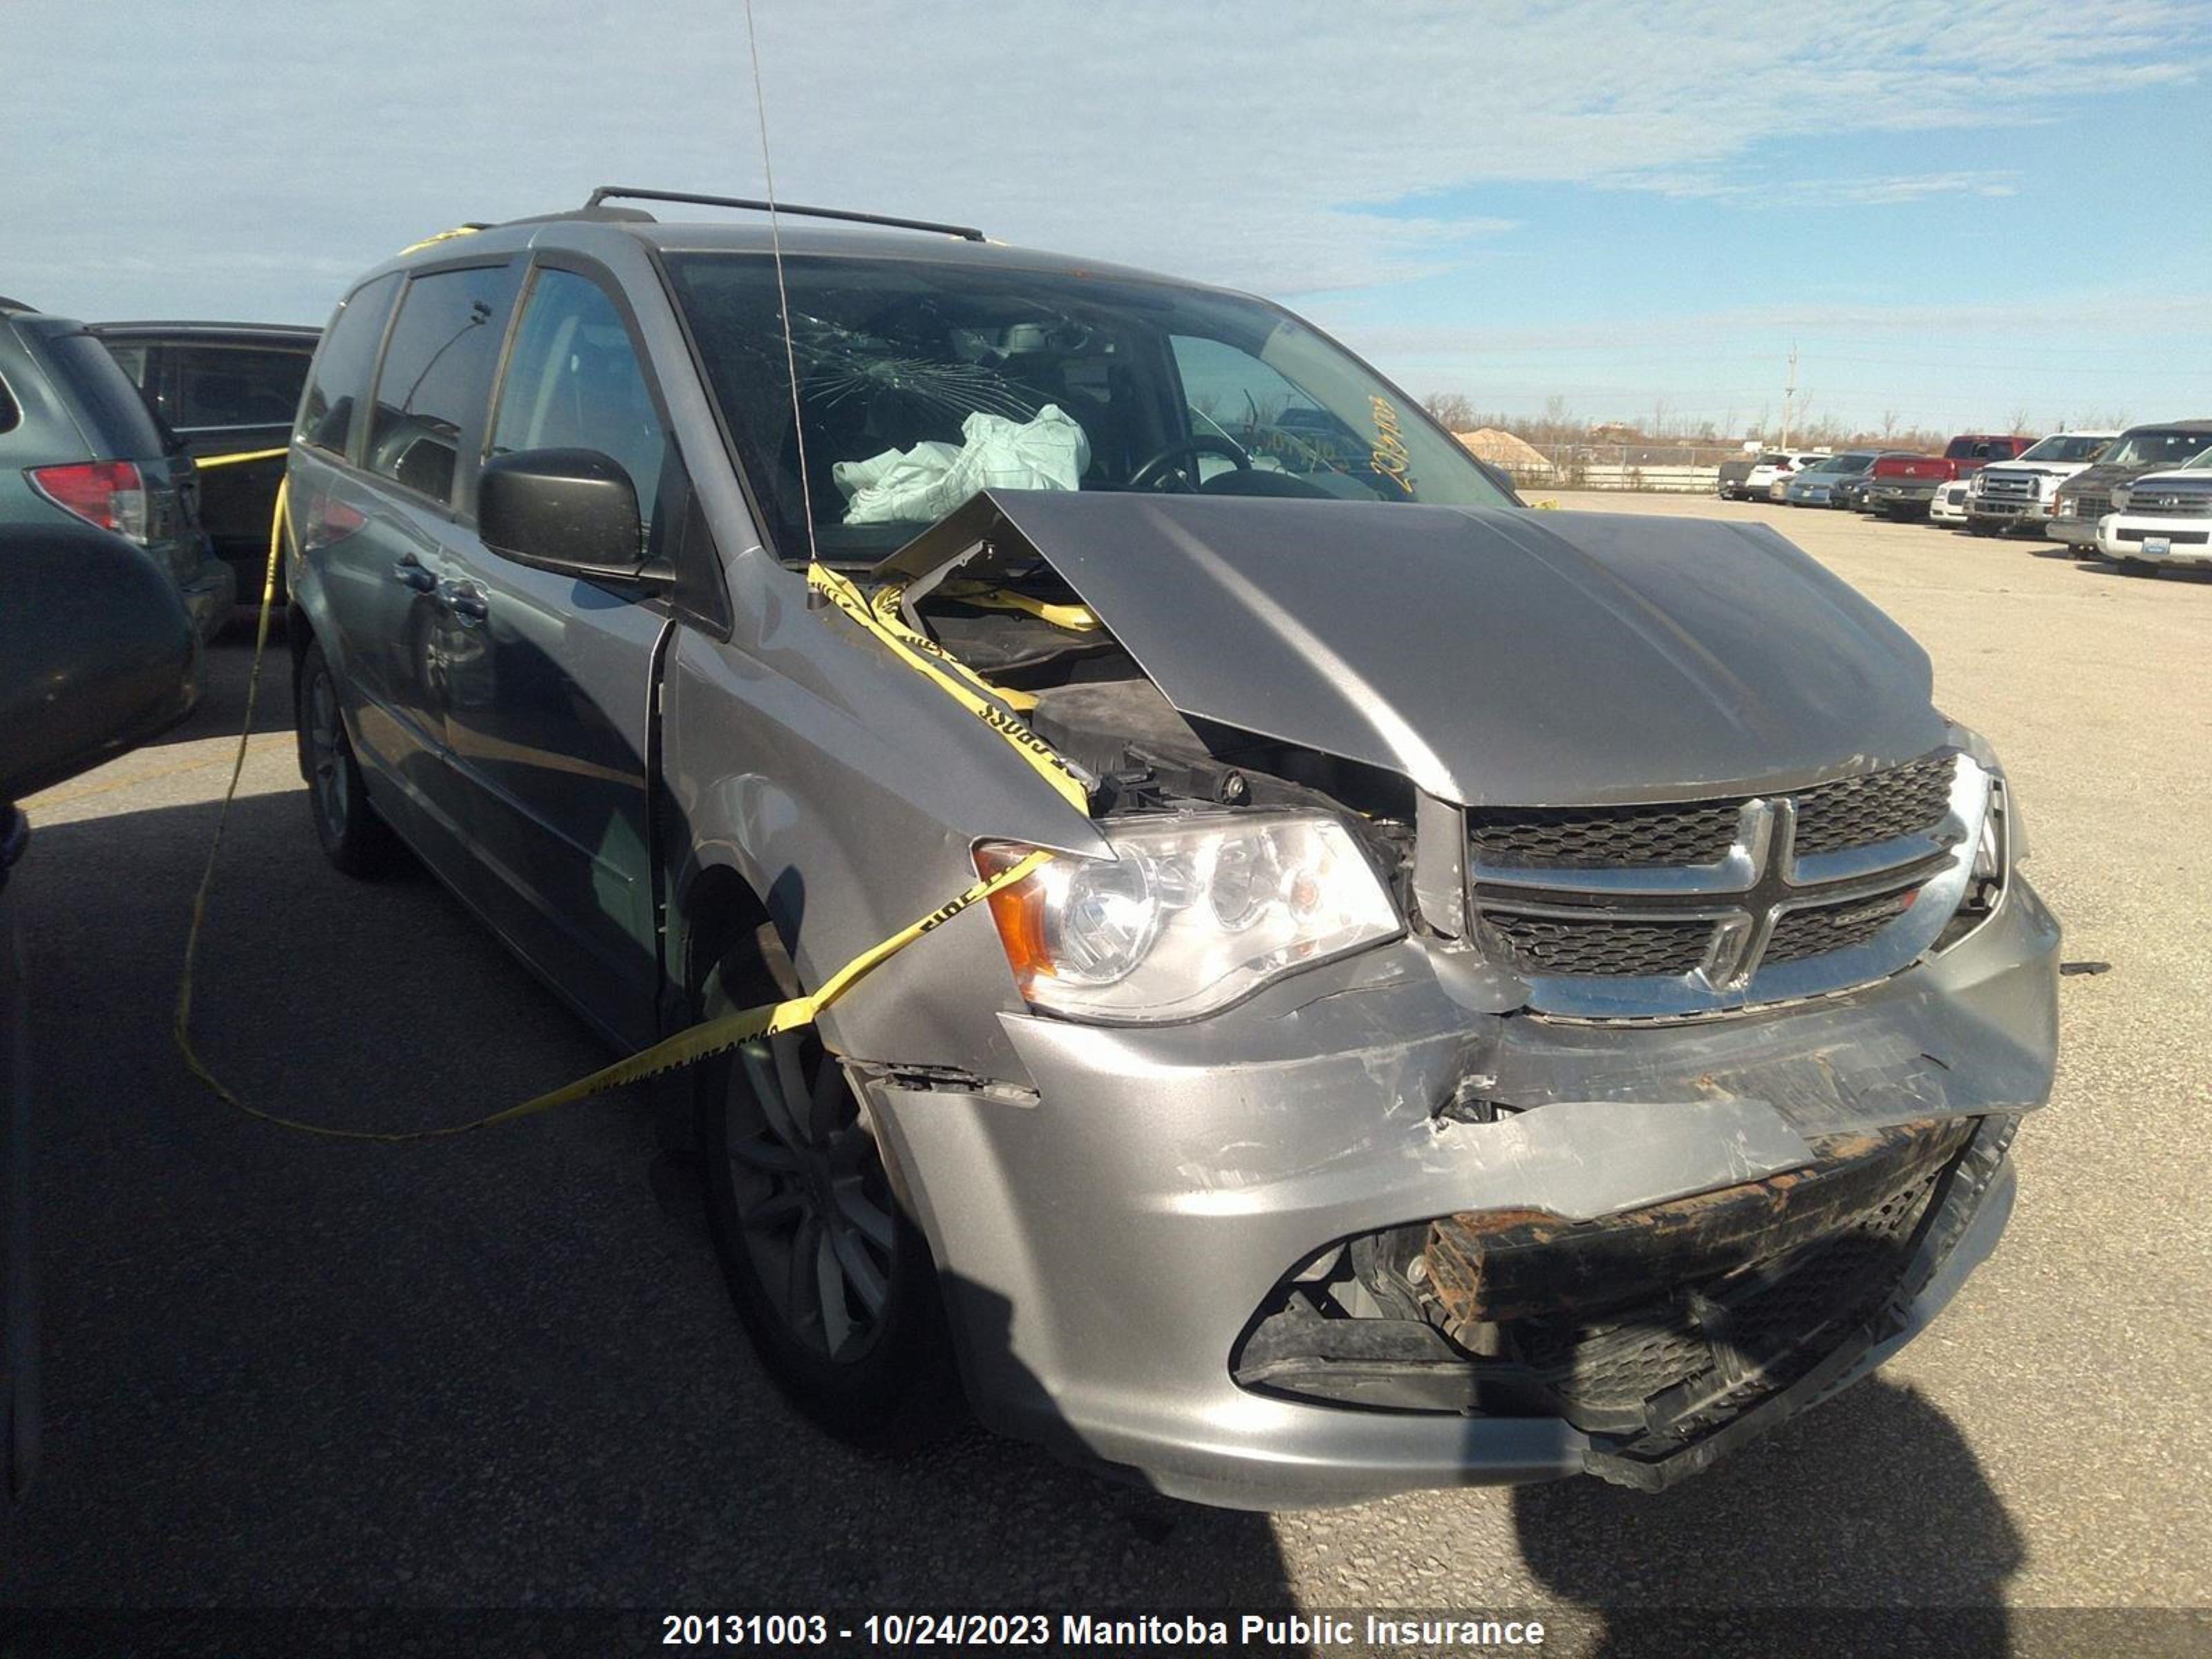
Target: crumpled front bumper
1106,1241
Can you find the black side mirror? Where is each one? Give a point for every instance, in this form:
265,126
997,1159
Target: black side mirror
572,511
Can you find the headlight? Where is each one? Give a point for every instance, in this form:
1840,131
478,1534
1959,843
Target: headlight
2120,498
1192,912
2063,504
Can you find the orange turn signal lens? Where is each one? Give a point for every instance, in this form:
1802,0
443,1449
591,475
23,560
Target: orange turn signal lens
1018,912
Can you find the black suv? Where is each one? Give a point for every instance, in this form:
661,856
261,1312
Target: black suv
223,389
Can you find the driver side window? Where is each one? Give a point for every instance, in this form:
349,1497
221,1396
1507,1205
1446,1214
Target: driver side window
574,382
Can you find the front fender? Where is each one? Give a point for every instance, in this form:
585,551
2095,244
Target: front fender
847,791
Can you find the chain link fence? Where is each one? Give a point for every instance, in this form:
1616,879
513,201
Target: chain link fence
1683,468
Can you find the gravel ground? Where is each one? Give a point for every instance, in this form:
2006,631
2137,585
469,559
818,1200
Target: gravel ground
500,1371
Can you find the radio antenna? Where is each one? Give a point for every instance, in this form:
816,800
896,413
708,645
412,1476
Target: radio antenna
815,597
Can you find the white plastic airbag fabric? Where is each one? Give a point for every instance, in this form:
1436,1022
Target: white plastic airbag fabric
924,483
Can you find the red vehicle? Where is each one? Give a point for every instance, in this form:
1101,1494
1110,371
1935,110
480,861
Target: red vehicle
1903,485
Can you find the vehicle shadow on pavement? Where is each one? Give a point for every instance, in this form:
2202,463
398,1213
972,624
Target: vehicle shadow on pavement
2164,573
1817,1537
495,1370
227,666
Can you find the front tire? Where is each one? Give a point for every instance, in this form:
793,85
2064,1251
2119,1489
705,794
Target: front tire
830,1278
353,837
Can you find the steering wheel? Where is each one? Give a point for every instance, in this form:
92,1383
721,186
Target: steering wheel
1155,471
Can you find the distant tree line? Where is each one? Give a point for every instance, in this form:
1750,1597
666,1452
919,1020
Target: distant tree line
1558,426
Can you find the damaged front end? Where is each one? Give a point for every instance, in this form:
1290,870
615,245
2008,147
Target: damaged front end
1652,998
1658,1332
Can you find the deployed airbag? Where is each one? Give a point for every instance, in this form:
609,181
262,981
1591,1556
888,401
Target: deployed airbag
925,483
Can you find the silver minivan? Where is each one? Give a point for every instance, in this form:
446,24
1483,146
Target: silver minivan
1469,994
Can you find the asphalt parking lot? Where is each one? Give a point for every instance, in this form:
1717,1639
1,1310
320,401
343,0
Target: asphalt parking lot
500,1370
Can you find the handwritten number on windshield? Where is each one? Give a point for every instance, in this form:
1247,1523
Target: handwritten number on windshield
1390,456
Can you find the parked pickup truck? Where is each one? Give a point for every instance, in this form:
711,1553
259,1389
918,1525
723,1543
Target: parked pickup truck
1902,488
1555,997
2020,494
2161,517
2084,499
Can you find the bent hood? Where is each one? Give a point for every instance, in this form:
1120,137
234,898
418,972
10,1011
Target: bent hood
1495,656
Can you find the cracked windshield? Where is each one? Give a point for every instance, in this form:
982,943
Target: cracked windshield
921,384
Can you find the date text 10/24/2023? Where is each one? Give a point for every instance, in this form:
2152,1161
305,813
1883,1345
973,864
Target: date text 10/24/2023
1319,1630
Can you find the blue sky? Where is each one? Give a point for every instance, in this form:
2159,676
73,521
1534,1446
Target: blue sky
1960,214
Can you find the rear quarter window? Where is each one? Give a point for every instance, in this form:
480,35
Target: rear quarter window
338,381
223,386
435,383
100,398
11,413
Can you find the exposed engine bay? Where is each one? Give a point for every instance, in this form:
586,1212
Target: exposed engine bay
1097,708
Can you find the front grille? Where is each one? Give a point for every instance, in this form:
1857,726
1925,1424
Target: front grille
2009,486
1819,929
1550,946
2090,504
2177,537
1626,836
1706,894
1876,807
2171,504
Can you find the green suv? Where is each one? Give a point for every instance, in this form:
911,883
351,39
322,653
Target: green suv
77,443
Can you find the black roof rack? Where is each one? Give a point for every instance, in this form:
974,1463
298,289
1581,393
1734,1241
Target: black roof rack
966,233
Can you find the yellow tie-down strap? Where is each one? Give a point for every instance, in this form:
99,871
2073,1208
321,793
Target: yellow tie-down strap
204,462
708,1037
1075,619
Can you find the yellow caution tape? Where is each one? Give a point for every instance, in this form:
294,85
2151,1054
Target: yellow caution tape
1075,619
695,1043
712,1037
182,1027
928,659
886,603
206,461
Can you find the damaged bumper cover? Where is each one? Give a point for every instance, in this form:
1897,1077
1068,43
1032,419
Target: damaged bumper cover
1182,1189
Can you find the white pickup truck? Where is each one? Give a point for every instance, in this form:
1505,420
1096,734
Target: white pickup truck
2161,517
2019,494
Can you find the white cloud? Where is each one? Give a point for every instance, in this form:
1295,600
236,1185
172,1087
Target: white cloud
1292,148
1768,191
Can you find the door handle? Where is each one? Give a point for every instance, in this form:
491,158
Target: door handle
409,573
468,606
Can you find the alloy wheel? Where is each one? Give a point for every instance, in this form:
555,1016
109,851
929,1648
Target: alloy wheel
813,1204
